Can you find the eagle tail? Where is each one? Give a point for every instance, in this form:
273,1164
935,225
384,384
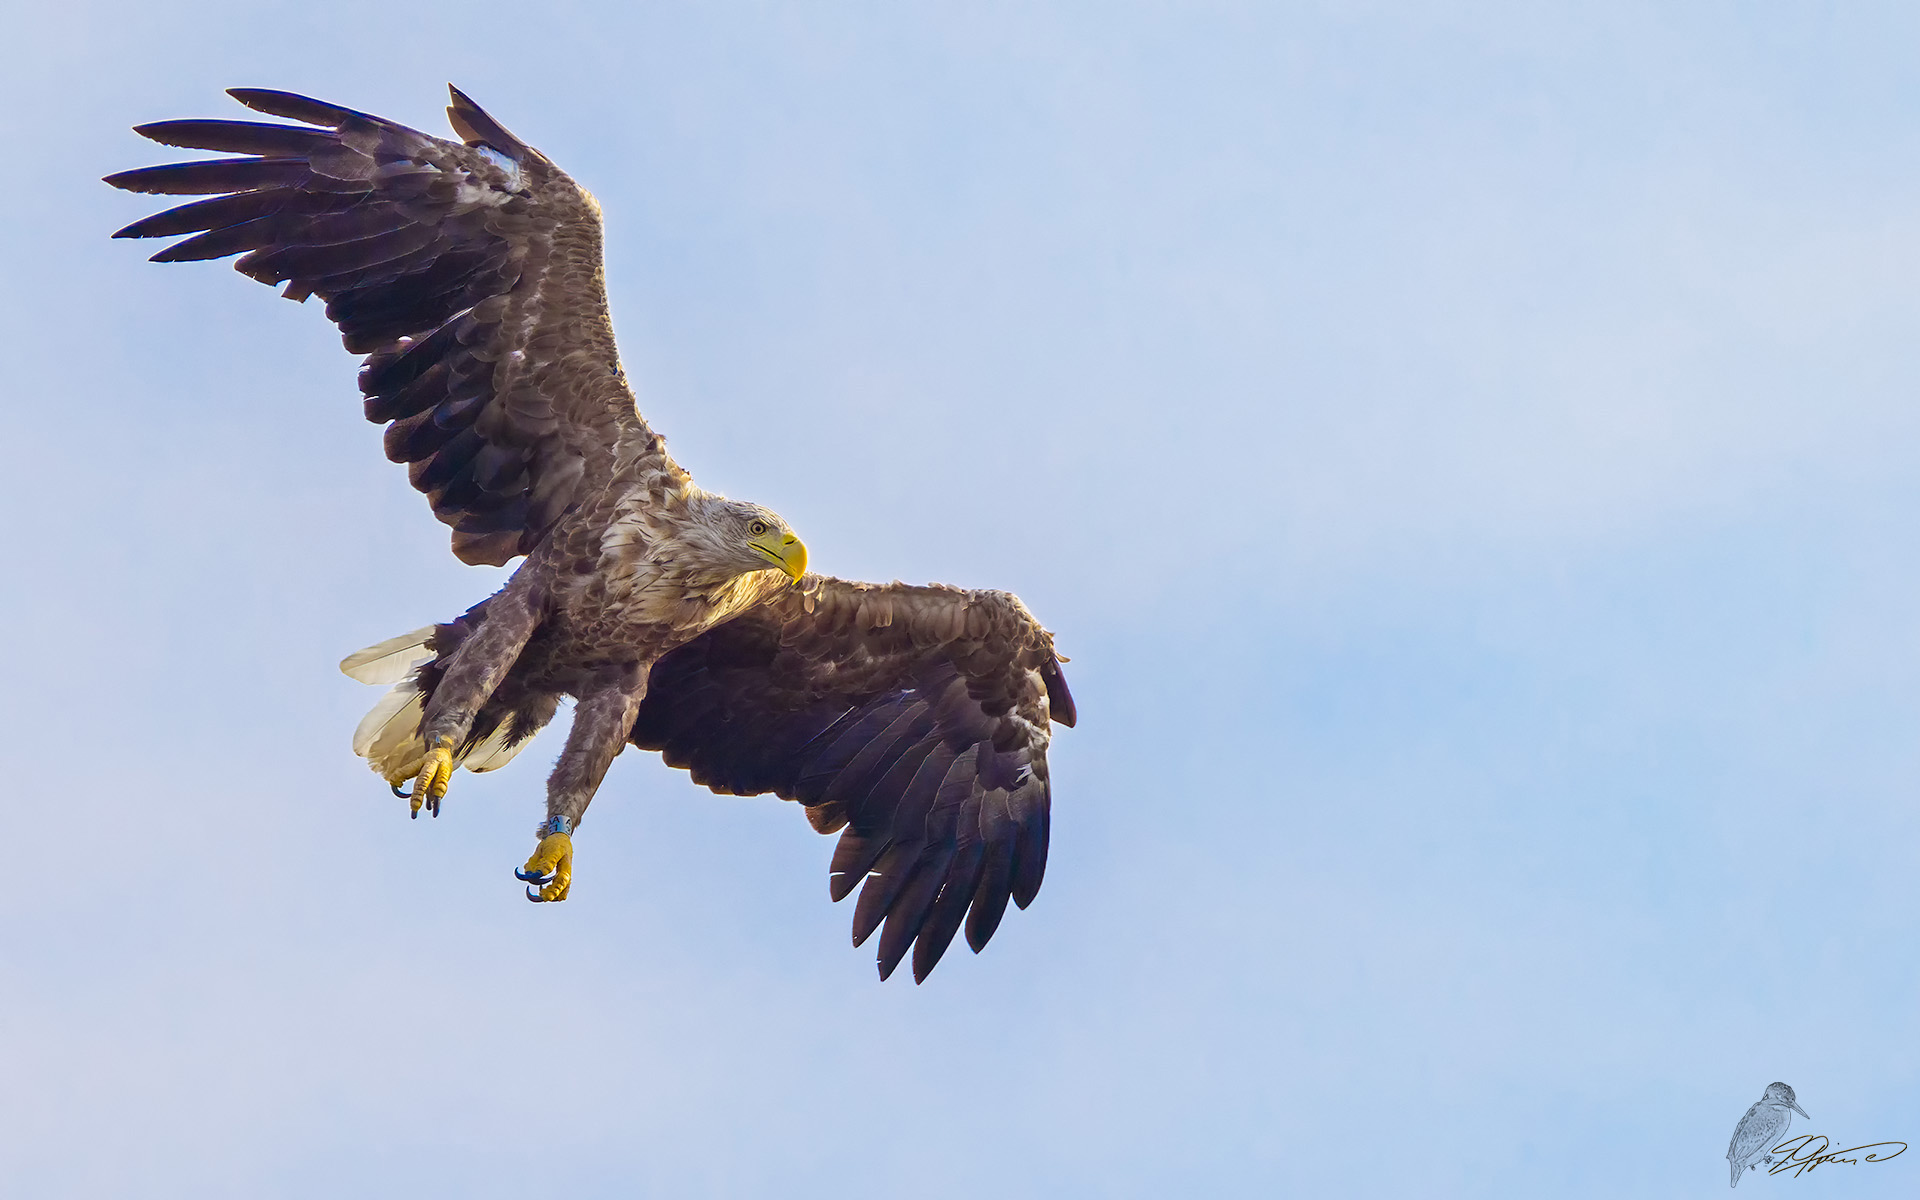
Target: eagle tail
388,737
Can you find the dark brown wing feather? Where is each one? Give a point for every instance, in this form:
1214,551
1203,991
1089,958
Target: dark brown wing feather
468,274
913,719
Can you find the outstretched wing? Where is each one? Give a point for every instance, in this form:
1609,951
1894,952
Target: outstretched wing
470,275
915,719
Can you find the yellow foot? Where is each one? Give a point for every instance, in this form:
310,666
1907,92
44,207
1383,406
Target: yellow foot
431,784
552,865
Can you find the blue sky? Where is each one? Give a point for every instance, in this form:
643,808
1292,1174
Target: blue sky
1468,451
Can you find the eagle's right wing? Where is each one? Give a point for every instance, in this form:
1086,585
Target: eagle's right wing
470,275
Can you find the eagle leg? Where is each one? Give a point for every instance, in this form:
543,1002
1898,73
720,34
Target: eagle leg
469,676
431,784
601,721
552,866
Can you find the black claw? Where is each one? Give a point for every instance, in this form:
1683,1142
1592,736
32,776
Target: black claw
534,896
534,877
399,793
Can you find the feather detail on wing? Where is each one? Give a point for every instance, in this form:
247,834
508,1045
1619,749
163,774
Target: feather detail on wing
470,275
914,720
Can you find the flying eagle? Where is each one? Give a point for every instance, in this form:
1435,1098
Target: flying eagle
913,720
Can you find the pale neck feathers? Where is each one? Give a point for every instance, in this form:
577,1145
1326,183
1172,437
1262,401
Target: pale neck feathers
678,566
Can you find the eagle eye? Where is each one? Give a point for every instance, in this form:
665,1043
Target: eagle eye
756,528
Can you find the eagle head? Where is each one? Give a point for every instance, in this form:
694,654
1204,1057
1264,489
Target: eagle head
732,537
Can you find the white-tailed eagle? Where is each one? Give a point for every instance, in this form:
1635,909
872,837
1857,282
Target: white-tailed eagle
913,720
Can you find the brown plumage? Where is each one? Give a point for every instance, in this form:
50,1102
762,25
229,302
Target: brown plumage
913,720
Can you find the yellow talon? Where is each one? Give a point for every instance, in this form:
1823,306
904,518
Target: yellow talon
552,857
435,774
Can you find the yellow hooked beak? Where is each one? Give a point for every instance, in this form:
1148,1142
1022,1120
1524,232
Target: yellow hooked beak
786,551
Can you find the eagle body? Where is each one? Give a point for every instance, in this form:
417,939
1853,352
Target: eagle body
914,721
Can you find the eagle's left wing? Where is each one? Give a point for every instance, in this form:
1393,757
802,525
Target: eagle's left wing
916,719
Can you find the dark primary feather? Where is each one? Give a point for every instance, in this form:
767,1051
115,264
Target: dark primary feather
236,137
468,275
912,720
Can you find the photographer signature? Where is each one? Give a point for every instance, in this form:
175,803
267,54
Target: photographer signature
1808,1151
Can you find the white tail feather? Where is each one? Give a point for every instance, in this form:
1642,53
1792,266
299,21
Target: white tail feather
388,737
389,661
495,752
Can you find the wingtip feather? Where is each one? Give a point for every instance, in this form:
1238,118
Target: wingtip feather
474,124
293,106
